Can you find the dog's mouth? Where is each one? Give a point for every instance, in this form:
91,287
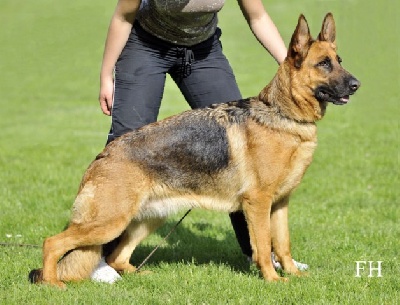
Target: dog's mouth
338,94
326,95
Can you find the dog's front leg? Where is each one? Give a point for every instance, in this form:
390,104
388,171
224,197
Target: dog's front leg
280,236
257,209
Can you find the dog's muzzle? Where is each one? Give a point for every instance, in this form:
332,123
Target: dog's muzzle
337,96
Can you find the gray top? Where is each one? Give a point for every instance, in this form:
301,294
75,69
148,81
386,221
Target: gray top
181,22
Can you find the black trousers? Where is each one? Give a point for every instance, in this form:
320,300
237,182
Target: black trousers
201,72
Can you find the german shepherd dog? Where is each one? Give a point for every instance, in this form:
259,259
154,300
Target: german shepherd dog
244,155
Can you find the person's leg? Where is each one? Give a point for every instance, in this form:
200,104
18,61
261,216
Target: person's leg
140,74
211,80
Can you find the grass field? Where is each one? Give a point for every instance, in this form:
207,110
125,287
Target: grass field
346,209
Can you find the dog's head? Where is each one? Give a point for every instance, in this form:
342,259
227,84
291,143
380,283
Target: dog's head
316,68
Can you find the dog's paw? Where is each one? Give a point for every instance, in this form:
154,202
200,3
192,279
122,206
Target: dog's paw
36,277
56,283
302,274
273,277
277,279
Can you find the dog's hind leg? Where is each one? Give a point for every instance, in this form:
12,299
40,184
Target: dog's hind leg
257,208
76,236
133,235
74,265
280,236
100,214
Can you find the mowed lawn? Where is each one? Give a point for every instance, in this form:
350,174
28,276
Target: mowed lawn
346,209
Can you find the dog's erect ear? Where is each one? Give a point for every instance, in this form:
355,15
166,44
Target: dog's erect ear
328,30
300,42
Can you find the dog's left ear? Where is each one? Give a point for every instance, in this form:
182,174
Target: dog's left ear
328,30
300,42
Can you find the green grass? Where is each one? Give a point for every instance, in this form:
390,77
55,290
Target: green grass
346,209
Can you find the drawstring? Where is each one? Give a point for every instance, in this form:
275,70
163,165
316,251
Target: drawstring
187,59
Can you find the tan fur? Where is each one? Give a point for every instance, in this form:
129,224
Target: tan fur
79,264
249,155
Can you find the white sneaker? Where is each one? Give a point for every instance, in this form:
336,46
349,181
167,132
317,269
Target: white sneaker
301,266
104,273
278,266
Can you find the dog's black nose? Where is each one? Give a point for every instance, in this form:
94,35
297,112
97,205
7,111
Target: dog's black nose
354,84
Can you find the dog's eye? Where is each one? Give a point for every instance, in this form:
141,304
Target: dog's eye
326,63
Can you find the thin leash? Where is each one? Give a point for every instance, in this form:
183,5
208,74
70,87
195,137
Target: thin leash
138,268
159,245
19,245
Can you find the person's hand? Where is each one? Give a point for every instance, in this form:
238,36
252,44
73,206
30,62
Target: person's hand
106,95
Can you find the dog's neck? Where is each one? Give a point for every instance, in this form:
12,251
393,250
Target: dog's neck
290,103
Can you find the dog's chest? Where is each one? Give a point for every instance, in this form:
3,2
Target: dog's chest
296,167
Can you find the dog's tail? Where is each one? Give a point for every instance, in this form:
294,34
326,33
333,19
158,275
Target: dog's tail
76,265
